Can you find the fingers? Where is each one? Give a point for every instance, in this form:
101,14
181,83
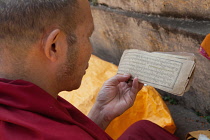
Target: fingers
130,82
136,86
117,79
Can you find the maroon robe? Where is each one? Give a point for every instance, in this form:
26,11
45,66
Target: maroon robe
29,113
146,130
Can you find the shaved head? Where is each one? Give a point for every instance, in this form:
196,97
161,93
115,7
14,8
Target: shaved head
45,42
23,22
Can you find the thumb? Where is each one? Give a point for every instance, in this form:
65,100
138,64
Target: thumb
114,81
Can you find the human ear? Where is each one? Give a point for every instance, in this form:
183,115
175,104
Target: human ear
50,47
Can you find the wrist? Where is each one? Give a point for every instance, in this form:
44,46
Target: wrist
96,115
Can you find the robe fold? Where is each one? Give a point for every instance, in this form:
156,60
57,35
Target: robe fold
146,130
29,113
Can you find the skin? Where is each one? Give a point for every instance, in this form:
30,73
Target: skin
115,97
48,65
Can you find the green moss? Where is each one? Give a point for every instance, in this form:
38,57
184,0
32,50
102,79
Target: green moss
207,118
94,2
170,100
201,115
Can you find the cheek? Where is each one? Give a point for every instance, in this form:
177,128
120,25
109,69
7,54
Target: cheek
86,49
89,49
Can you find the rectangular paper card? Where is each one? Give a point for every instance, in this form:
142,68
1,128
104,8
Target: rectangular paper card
170,72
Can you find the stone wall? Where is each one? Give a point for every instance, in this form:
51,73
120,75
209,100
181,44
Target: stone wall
150,25
177,8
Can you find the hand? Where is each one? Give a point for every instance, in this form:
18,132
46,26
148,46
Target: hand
115,97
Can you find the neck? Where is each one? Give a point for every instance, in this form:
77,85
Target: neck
33,75
28,69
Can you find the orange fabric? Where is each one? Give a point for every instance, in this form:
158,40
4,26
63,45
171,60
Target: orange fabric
148,105
206,44
205,47
84,97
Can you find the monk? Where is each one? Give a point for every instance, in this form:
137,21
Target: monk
44,49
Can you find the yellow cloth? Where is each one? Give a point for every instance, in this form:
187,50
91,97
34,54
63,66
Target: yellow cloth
206,45
148,105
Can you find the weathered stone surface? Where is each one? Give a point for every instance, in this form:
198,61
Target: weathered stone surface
186,121
183,8
116,31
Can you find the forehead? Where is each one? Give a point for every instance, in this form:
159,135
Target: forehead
86,19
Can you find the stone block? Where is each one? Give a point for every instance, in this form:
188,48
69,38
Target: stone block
117,30
176,8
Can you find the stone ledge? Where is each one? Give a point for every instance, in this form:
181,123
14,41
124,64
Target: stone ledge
117,30
198,9
191,26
